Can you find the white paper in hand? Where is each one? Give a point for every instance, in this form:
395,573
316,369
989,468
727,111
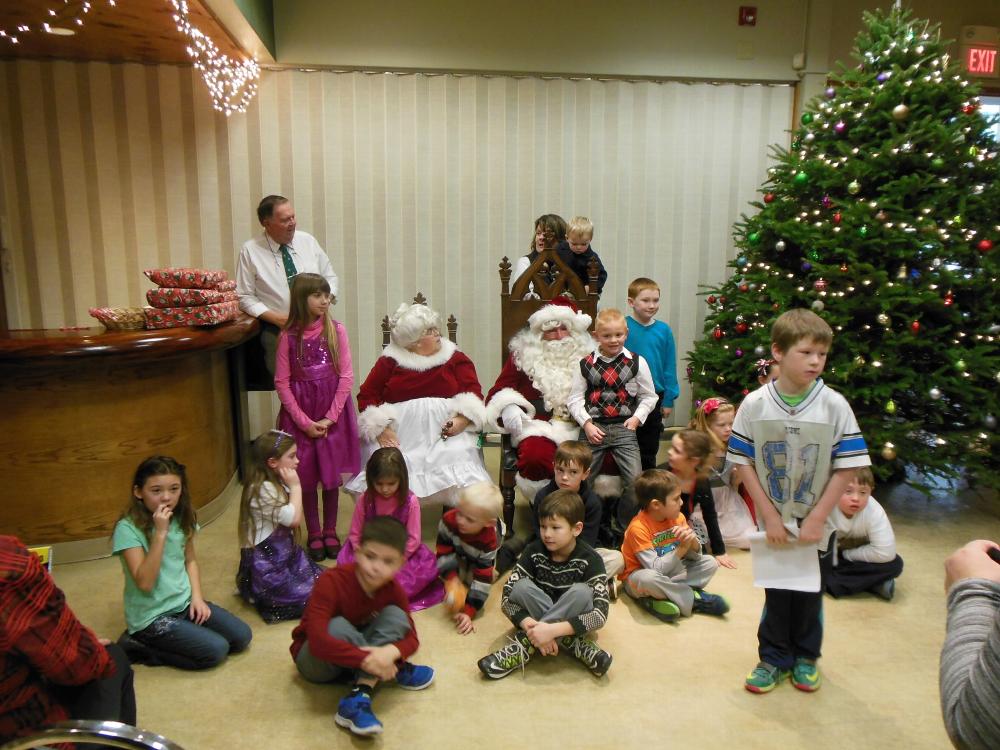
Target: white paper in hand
794,567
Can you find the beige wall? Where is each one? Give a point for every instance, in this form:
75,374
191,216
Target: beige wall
681,38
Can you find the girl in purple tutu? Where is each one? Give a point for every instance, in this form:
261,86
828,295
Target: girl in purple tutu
313,376
388,494
275,575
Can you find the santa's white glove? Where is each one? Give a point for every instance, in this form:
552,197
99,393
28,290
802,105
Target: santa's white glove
512,417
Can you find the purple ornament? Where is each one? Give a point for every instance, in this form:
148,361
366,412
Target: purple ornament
831,92
827,201
840,127
882,77
806,266
739,353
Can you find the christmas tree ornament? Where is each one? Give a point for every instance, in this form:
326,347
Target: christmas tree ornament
813,255
837,217
710,299
744,287
840,127
890,407
863,231
843,268
717,333
738,353
960,365
883,76
820,285
741,328
753,238
889,452
741,261
859,361
779,246
973,151
830,92
935,394
970,108
907,147
817,305
746,391
722,300
827,201
796,144
801,178
882,216
741,319
806,266
937,162
768,197
809,137
758,351
690,372
949,298
990,422
900,112
984,246
902,273
915,326
883,319
720,379
807,118
854,187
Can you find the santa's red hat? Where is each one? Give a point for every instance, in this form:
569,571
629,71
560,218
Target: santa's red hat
559,311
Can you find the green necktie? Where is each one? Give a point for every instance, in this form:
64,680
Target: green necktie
286,258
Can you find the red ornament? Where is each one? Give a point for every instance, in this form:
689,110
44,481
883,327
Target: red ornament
745,391
717,333
837,217
775,306
970,108
819,285
722,300
744,287
711,299
741,328
768,197
985,246
915,326
949,298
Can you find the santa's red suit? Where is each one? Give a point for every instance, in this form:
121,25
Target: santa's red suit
528,400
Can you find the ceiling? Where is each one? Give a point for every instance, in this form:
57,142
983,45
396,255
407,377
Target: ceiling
130,31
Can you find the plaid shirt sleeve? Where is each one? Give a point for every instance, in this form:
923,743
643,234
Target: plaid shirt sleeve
41,642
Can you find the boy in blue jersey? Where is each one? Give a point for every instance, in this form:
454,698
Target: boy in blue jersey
654,341
796,444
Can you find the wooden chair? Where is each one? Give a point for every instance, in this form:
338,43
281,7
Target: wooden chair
550,278
420,299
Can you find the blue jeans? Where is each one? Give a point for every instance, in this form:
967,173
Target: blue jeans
178,642
624,446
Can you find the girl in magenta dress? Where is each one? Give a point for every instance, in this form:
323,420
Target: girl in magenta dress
388,494
313,376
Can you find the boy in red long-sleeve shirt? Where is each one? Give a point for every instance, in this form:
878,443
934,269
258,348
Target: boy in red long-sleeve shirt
357,622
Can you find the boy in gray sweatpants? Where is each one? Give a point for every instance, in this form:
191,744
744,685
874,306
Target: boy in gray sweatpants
664,568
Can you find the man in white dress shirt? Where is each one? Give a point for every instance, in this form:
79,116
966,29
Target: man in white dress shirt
266,267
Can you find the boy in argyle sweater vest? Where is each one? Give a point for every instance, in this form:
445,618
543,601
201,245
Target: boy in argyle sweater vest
612,395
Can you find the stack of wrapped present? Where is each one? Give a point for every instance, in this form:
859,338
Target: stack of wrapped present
190,297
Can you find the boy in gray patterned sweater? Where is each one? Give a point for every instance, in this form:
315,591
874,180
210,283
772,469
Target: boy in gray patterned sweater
557,593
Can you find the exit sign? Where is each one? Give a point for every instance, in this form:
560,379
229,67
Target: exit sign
981,61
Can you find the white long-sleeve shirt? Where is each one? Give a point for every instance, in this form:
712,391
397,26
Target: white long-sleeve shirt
260,274
266,510
576,403
870,527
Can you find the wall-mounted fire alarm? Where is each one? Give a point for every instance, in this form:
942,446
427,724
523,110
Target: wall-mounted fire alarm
748,15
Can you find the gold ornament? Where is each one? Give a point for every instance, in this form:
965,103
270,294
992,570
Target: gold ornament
720,379
889,452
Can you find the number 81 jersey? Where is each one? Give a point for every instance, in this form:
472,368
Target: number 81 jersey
794,448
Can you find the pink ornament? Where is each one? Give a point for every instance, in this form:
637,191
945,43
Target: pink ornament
840,127
827,201
819,285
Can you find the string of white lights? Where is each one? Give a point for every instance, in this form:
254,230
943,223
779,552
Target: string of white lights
58,19
233,84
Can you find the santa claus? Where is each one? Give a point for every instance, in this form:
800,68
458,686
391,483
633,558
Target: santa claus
528,400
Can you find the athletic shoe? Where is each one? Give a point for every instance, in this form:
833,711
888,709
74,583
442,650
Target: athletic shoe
660,608
805,675
764,678
709,604
885,590
414,676
355,713
505,660
597,660
613,587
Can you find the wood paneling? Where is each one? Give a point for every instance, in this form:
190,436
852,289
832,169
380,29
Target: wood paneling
131,31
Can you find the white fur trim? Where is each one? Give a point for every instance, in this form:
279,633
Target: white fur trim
607,485
470,406
556,430
529,487
373,420
574,321
501,400
418,362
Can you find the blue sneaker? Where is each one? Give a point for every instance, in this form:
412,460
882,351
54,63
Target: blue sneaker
414,676
709,604
355,713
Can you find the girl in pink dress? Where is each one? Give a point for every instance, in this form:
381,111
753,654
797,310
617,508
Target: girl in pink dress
313,376
388,494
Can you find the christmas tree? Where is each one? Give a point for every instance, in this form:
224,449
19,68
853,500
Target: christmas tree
883,219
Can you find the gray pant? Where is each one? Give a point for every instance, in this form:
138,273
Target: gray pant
577,600
675,583
390,626
624,447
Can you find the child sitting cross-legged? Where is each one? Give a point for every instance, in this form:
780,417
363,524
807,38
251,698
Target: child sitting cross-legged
357,627
466,548
557,593
664,568
858,548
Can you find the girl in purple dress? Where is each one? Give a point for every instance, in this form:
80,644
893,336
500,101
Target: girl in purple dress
388,494
275,575
313,376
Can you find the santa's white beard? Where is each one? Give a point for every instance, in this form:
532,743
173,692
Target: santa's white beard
551,365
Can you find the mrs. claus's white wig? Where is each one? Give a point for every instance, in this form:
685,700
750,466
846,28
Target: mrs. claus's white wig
409,322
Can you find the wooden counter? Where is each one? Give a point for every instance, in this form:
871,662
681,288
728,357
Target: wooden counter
81,409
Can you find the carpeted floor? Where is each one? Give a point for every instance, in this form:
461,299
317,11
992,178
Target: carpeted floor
672,685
